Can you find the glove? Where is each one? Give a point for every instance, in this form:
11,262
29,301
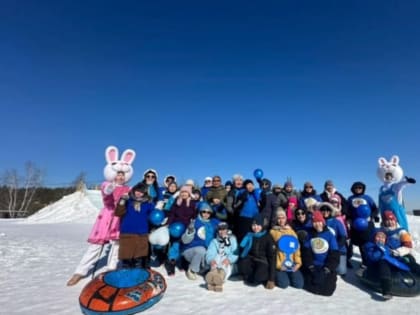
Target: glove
270,285
311,268
377,219
190,228
123,200
160,204
410,180
327,270
395,253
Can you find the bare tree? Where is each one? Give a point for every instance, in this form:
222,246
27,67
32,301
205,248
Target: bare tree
21,190
80,182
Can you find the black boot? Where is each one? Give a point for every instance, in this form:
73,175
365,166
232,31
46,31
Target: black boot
126,263
170,267
138,262
386,289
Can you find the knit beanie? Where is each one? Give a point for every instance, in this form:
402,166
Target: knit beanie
186,188
318,217
389,215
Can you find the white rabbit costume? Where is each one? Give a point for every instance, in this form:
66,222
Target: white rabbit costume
107,226
390,193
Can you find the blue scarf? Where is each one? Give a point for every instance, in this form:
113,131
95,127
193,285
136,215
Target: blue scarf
246,243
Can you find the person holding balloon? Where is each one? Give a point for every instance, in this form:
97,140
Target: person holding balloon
288,255
134,212
362,214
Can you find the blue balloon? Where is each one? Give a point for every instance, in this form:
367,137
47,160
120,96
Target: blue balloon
258,173
156,217
363,211
176,229
360,224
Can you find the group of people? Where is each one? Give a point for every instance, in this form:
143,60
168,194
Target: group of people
267,234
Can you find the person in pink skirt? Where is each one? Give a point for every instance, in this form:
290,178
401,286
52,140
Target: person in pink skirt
106,229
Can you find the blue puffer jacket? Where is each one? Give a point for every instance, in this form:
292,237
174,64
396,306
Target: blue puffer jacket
204,232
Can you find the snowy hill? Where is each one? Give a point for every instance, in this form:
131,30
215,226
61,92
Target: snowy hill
79,207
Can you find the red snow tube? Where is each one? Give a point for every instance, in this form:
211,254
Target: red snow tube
122,292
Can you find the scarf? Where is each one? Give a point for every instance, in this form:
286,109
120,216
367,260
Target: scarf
246,243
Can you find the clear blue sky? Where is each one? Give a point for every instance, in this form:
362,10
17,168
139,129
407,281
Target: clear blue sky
313,90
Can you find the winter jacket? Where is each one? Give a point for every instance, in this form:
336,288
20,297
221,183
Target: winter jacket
107,225
276,233
221,247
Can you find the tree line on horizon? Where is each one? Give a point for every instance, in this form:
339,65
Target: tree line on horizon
22,196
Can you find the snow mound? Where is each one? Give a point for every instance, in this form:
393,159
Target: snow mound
76,207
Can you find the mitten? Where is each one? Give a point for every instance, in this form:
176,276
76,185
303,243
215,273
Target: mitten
190,228
122,201
410,180
395,253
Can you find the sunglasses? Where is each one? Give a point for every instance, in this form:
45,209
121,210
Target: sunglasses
150,176
216,180
300,213
205,211
358,187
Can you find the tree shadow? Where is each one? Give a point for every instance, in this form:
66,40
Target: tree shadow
353,278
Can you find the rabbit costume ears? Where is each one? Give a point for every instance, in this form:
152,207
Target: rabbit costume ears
116,164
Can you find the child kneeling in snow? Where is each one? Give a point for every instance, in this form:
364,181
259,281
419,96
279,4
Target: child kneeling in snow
221,254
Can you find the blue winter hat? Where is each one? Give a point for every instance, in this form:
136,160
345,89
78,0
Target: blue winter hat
204,206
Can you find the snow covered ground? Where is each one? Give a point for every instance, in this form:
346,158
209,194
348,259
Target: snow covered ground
39,254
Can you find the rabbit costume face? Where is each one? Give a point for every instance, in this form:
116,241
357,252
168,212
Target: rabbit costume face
390,172
115,165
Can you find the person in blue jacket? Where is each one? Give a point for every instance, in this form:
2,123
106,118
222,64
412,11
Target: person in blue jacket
134,227
221,254
197,238
320,258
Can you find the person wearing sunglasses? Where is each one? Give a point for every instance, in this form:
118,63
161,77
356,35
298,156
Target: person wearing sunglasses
196,239
216,197
308,198
302,224
150,178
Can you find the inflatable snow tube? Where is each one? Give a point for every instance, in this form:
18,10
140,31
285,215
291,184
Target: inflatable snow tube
404,283
122,292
